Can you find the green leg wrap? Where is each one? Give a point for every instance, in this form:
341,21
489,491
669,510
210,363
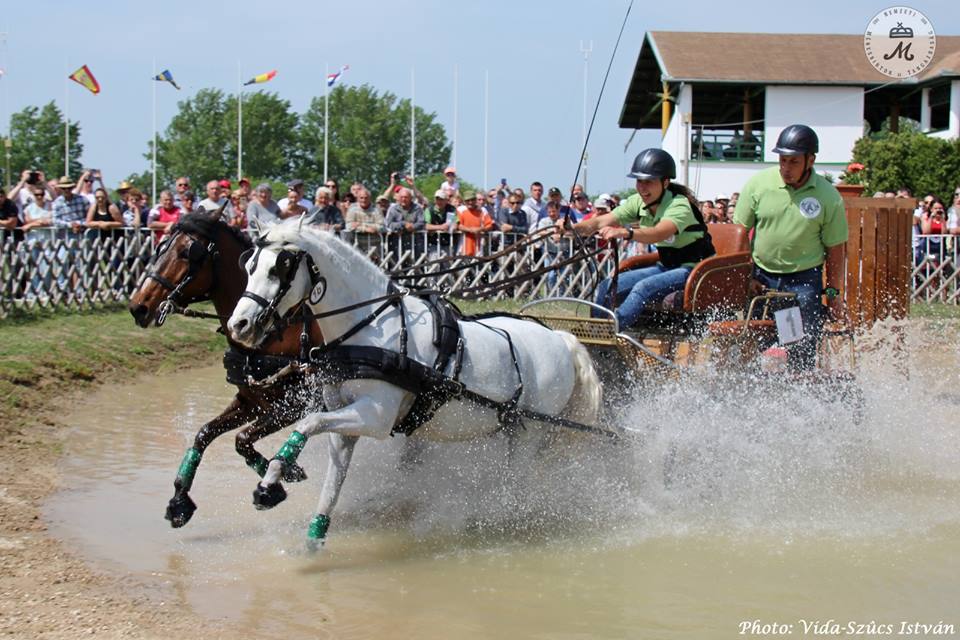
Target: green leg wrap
292,447
188,468
318,527
259,465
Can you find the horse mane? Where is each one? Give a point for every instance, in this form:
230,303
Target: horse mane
201,224
345,257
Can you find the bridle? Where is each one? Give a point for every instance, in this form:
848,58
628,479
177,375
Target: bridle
197,254
285,270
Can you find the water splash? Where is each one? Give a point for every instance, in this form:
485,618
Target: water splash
715,453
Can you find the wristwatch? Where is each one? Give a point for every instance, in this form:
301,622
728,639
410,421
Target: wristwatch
831,292
629,234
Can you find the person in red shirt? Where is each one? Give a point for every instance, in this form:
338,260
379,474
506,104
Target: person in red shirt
163,217
473,222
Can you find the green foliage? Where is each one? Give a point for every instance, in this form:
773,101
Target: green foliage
369,138
201,140
922,163
37,137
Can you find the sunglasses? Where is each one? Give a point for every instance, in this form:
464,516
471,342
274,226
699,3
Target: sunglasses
183,184
88,179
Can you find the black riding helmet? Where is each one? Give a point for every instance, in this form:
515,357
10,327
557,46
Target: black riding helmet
797,140
651,164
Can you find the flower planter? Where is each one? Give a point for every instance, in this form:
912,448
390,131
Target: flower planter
850,190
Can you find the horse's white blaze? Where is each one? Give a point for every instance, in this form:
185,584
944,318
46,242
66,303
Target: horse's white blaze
557,374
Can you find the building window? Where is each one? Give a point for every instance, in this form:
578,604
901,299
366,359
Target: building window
940,107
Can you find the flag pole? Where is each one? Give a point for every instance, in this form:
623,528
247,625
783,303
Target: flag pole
239,123
456,97
326,116
486,123
153,188
66,121
413,124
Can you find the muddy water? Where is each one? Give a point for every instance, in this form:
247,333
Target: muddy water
730,508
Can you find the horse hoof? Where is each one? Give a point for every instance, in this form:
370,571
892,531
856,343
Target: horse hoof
179,510
268,497
292,472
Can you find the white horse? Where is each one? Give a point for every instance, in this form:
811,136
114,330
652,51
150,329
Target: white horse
497,354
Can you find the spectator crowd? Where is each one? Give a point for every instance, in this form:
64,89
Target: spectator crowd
451,221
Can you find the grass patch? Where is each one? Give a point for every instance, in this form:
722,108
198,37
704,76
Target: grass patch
934,311
47,357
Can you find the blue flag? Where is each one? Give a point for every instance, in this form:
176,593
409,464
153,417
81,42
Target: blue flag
166,76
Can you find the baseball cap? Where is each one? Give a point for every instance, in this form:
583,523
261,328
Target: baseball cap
225,184
293,184
554,191
450,169
722,196
601,203
244,181
440,193
469,195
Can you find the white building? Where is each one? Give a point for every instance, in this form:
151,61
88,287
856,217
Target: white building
730,95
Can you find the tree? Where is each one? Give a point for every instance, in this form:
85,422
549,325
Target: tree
201,140
37,137
912,159
369,138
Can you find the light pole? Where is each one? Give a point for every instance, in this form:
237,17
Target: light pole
8,144
585,50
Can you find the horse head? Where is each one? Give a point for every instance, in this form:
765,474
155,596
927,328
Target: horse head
278,279
183,268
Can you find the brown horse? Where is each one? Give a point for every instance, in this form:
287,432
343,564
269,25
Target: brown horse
198,261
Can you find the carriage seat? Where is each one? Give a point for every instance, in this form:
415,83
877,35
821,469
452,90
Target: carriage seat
718,283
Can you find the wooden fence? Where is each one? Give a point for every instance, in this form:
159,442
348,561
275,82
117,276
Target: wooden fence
879,259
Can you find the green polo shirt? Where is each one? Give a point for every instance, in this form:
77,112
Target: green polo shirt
675,209
792,227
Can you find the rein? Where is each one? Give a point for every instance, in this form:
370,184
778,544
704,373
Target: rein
483,290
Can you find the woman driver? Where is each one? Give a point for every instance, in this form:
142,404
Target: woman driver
660,213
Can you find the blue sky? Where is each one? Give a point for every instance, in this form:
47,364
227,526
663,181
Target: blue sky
530,49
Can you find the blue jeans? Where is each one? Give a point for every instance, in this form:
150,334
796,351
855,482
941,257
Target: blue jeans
641,288
808,285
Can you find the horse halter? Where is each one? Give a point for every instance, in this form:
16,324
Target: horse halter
197,254
285,270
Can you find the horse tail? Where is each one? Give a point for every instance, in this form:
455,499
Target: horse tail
586,398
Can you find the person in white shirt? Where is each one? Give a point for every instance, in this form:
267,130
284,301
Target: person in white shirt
297,186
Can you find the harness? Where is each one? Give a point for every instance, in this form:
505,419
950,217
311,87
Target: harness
243,366
431,385
197,254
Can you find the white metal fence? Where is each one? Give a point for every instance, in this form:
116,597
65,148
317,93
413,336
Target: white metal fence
934,277
57,269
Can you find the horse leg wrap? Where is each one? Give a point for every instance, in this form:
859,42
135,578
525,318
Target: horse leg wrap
258,464
318,527
291,448
317,533
188,469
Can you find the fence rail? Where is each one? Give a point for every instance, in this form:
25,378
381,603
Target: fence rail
55,269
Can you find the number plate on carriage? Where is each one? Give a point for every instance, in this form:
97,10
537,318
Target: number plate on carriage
789,325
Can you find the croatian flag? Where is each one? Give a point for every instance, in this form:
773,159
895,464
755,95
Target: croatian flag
333,77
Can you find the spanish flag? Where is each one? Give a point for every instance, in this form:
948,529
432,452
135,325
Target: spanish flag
166,76
263,77
84,77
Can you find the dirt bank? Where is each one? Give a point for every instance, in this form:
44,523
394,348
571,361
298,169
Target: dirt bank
46,364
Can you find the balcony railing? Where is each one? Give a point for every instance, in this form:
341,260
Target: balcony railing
726,146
